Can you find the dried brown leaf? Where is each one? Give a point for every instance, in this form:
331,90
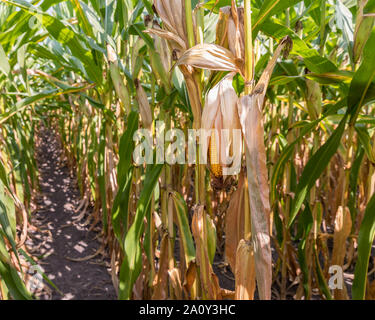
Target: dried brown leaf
178,13
343,227
370,292
161,278
211,57
234,222
227,294
245,271
252,127
251,118
168,36
190,277
175,280
139,286
209,280
164,13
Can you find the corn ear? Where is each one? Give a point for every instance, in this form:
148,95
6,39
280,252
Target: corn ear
313,99
222,27
120,88
216,168
144,105
220,112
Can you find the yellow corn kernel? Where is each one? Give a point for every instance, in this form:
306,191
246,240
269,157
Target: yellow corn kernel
214,157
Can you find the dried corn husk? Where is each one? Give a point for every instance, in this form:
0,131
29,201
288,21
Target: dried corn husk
343,227
236,32
370,291
175,280
190,280
230,30
194,95
172,13
209,280
252,125
177,42
245,271
144,105
211,57
160,281
234,222
251,118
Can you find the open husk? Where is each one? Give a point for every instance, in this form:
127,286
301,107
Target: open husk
220,113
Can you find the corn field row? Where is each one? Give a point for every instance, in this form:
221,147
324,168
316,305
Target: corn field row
294,78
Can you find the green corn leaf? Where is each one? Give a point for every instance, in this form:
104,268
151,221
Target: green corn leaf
284,158
4,255
184,227
65,36
360,89
131,266
305,223
353,184
365,241
321,279
85,24
313,60
6,227
4,63
39,270
363,29
21,105
211,238
14,283
344,22
270,8
315,167
124,179
365,140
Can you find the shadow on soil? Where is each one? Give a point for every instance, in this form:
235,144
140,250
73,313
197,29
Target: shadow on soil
60,237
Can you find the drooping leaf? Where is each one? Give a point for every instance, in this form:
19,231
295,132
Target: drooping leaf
315,167
131,265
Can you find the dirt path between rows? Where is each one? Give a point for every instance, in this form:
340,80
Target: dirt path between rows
61,237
